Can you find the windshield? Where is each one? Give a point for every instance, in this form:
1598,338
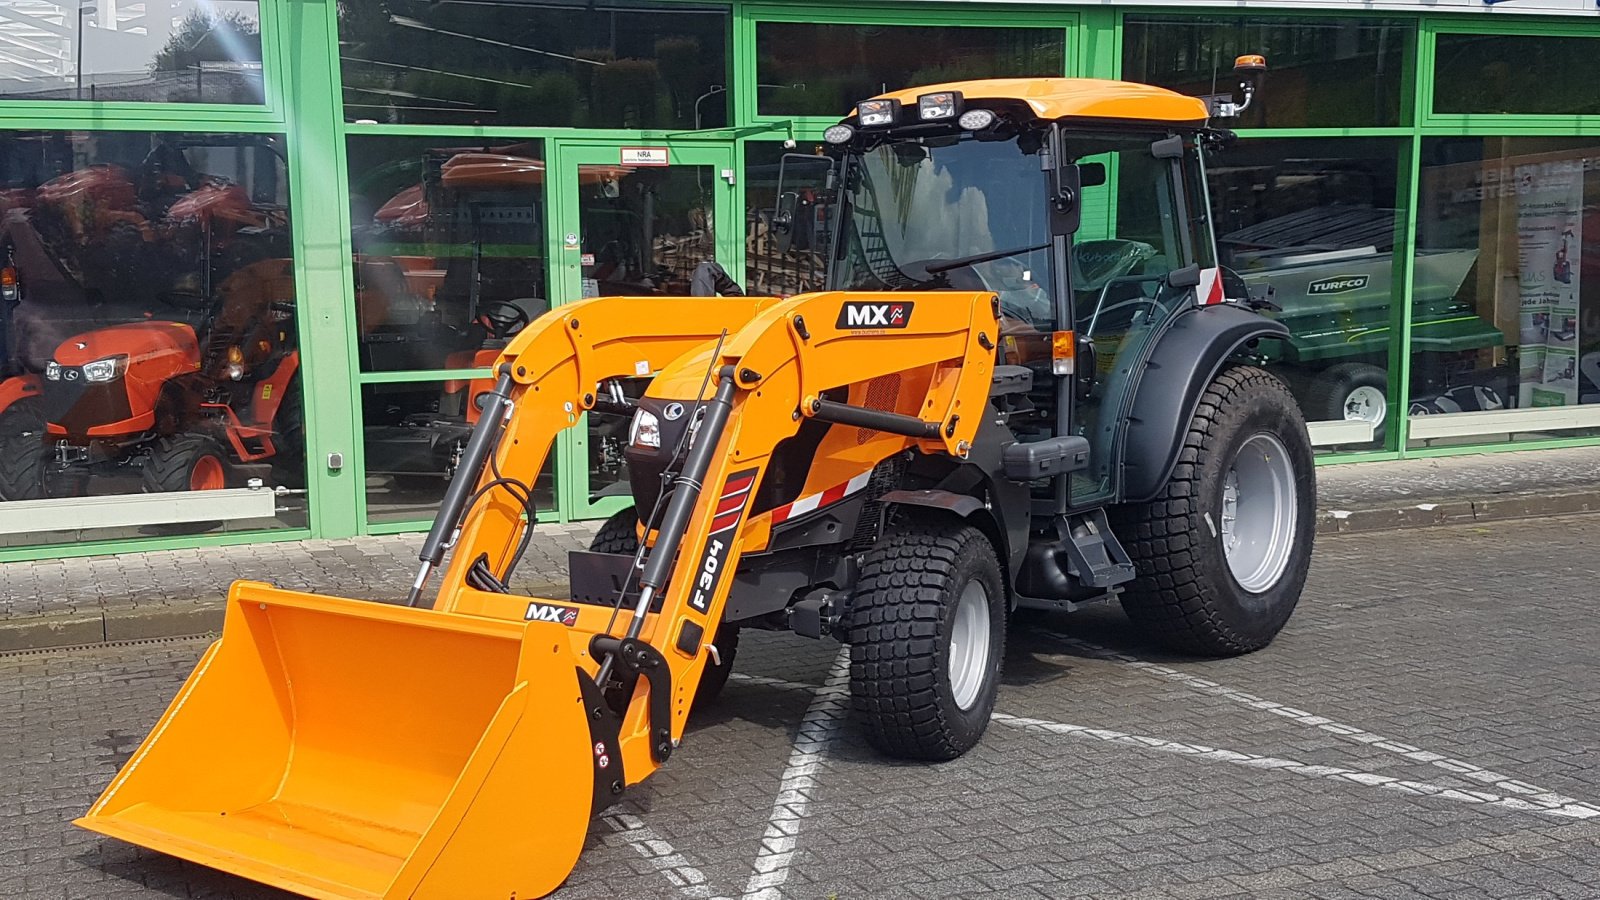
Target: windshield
950,214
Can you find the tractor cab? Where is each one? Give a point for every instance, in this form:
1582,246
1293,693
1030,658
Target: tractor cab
1081,204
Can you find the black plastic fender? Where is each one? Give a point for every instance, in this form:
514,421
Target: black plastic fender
1185,358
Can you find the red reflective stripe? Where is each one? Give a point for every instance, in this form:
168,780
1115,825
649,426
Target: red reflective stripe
730,504
735,485
723,523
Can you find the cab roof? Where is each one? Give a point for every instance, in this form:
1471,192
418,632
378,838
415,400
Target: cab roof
1081,98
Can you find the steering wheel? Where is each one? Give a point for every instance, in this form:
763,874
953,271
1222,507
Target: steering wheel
503,319
1101,309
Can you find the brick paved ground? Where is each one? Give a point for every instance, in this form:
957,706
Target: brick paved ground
1425,726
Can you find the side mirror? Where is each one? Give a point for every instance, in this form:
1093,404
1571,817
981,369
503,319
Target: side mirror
1066,187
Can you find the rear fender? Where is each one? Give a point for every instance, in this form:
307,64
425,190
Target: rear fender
1185,359
17,389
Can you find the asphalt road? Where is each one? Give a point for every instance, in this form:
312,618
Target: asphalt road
1427,725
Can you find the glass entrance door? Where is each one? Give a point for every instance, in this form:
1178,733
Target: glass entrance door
637,220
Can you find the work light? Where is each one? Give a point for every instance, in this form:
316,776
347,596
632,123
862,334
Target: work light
52,371
976,119
839,134
877,113
939,105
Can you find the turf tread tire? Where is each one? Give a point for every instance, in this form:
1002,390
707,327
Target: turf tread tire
22,452
900,618
1185,595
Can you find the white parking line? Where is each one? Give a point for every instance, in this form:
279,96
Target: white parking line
660,855
1574,810
793,803
1535,795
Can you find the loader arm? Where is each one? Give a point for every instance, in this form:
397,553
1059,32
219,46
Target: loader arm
555,365
768,377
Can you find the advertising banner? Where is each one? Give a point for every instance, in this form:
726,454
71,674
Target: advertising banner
1549,241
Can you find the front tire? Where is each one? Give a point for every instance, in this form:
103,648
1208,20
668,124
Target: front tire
185,462
1352,391
22,451
927,634
1222,551
620,534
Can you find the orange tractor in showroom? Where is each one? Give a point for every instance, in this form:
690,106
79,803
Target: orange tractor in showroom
900,463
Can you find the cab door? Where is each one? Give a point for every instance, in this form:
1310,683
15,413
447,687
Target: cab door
635,220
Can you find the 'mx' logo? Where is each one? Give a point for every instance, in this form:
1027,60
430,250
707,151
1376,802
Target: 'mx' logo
875,315
549,612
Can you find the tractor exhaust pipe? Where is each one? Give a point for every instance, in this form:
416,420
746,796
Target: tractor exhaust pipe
680,506
485,438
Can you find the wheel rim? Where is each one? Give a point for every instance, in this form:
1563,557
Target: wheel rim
969,645
1258,513
1366,404
206,474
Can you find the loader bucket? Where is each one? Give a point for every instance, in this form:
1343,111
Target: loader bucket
343,748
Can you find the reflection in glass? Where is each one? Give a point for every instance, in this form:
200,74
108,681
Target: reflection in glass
1321,72
449,245
147,316
181,51
615,65
1515,73
808,69
413,435
645,230
786,199
1523,209
1312,226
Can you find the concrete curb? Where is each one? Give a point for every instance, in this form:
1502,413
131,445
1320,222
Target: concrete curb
204,616
1457,512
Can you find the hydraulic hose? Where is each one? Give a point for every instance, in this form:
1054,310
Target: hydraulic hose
485,438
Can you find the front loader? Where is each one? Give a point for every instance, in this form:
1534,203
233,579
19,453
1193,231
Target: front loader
982,415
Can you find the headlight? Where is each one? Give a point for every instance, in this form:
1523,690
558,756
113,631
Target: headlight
939,105
103,370
877,113
52,371
645,431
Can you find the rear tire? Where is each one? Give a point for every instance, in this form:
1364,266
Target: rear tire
1222,551
1354,391
22,452
185,462
619,534
927,634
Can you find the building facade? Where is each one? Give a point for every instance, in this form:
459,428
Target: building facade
256,251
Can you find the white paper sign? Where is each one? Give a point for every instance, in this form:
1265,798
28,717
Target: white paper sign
644,156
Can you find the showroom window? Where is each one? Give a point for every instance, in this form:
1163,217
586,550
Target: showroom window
1516,73
498,62
1523,332
449,243
183,51
792,187
148,338
1312,225
1332,72
822,70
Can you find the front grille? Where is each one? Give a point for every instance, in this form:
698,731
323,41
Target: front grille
78,405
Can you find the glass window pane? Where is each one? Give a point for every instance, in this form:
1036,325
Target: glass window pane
181,51
413,433
1320,72
791,258
1507,305
808,69
646,230
1312,225
449,239
148,340
498,62
1510,73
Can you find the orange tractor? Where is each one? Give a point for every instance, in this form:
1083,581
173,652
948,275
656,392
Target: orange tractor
901,463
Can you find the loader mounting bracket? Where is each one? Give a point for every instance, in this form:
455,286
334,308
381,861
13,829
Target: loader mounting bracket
635,658
605,729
